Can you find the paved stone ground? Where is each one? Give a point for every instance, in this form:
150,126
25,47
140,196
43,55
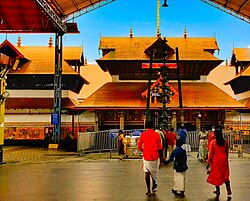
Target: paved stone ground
40,174
23,154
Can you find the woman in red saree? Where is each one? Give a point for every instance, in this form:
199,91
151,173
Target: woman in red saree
218,162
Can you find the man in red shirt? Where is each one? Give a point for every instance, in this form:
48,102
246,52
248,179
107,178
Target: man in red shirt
171,140
150,144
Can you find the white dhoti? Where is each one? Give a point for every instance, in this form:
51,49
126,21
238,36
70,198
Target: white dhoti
152,167
179,181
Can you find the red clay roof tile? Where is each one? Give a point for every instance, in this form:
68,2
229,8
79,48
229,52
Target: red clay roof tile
125,48
128,95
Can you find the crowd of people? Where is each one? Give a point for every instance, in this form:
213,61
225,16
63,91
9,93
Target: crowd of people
213,149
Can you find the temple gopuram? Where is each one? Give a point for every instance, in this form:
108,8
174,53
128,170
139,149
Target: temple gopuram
122,102
30,90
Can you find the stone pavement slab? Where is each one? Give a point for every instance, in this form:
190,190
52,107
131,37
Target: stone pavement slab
97,177
26,154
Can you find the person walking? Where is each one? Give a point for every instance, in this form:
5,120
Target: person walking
121,144
165,144
218,163
203,145
171,140
151,147
179,156
182,134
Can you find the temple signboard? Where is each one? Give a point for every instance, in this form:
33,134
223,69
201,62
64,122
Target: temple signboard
159,65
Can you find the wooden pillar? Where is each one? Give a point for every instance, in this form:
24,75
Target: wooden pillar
144,119
224,119
96,122
179,86
122,120
198,122
73,124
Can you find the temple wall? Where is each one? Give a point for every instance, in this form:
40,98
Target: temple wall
237,117
35,126
87,116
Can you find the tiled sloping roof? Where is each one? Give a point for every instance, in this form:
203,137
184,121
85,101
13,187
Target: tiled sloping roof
248,103
36,103
240,57
9,44
128,95
242,54
244,73
125,48
42,59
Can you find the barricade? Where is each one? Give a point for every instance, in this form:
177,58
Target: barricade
237,142
89,142
193,140
103,141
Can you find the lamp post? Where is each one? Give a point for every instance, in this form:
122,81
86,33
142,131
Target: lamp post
165,116
153,53
158,54
179,85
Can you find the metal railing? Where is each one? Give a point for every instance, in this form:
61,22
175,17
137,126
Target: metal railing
238,142
103,141
193,140
95,142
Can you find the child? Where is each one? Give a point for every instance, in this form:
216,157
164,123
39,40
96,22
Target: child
179,156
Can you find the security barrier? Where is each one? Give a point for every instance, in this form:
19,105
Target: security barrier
103,141
238,143
193,140
95,142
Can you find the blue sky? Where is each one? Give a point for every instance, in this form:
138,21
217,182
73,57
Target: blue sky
115,19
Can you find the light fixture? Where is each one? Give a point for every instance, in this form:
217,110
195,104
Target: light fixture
165,4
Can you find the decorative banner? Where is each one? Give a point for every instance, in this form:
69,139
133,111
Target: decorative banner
159,65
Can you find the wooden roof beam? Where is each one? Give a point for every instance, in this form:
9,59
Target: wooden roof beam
228,9
227,1
242,6
87,9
